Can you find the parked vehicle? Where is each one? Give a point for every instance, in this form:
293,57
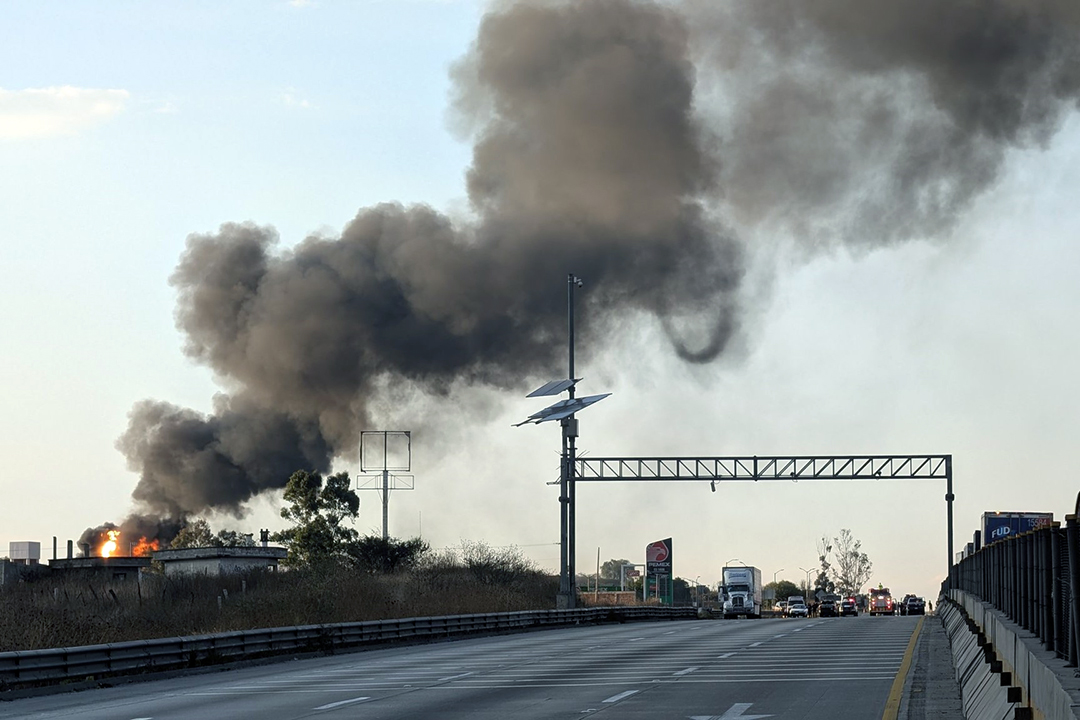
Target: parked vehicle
849,606
798,610
914,606
781,607
881,602
1000,525
741,592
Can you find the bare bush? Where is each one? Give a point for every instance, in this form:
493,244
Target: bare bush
62,611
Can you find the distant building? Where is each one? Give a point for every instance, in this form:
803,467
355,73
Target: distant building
110,568
24,553
219,560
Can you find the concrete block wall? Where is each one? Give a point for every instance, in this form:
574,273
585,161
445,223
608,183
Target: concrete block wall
1052,689
985,692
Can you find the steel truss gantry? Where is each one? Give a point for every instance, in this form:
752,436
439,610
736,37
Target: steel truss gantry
792,468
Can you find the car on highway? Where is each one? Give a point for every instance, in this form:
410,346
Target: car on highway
914,606
830,606
849,606
794,600
798,610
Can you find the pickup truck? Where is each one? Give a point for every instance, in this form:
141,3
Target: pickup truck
914,606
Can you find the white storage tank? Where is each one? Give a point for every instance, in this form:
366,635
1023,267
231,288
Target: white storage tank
25,553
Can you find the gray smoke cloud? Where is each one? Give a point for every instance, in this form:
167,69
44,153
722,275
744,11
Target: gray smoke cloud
609,139
875,122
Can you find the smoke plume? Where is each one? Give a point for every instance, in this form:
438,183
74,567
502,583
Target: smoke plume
608,141
875,122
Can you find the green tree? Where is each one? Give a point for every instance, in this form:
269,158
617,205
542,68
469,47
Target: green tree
783,589
612,570
373,553
195,534
318,511
232,538
853,566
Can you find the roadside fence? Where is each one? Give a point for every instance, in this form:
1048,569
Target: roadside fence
1034,580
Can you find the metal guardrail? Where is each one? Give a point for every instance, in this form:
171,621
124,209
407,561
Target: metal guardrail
1034,580
43,666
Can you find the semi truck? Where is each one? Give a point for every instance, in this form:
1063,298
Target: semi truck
1001,525
740,592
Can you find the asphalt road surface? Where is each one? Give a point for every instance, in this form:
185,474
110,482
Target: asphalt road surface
788,669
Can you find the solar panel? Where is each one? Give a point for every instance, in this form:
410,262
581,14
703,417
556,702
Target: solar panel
554,387
562,409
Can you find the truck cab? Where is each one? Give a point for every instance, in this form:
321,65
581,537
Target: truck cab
741,592
881,602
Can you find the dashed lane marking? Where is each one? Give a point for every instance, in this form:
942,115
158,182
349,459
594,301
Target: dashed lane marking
339,703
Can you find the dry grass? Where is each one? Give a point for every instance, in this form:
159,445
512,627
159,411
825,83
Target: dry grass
48,613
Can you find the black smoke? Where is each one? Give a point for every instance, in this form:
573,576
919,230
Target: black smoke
610,138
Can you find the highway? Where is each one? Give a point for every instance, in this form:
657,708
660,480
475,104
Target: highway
788,669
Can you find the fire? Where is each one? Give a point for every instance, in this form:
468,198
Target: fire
108,548
145,547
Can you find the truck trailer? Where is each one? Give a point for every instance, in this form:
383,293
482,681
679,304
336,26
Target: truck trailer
740,592
1001,525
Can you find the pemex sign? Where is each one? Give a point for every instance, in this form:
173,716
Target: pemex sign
658,558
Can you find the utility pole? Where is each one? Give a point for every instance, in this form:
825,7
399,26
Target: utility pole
570,433
565,412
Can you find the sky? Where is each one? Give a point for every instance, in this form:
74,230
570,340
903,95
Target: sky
863,322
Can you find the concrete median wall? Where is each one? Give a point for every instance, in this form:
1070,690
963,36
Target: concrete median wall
1002,669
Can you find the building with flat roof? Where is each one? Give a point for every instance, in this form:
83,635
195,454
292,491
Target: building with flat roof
219,560
110,568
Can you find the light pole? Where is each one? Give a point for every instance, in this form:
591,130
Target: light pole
735,560
775,574
807,581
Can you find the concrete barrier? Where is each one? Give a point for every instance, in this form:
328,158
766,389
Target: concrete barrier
1045,687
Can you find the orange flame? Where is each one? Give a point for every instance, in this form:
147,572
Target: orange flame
108,548
144,547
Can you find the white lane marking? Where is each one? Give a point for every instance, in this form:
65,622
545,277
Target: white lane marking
454,677
620,696
780,635
670,632
339,703
687,671
635,639
754,644
735,712
725,656
145,718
